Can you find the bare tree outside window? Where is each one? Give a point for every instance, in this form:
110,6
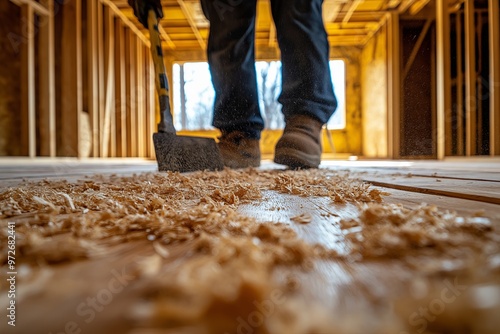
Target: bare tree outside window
194,95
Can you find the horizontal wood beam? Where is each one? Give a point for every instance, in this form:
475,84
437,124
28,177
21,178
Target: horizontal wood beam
166,37
405,4
37,7
418,6
331,11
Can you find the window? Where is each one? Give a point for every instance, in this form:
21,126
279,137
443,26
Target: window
194,95
337,121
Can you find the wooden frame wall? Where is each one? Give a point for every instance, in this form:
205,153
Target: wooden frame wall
119,91
467,135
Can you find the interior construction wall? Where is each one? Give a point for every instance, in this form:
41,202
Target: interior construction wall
10,32
88,90
374,96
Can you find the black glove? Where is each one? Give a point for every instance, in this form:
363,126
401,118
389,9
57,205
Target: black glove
142,7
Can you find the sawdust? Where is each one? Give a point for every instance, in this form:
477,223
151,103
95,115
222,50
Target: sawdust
226,272
304,218
388,230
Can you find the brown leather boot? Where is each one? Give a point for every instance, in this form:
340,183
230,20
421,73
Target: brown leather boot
300,145
239,151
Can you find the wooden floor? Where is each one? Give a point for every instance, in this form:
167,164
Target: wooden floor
358,296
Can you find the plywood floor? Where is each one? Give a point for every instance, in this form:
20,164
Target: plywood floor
346,295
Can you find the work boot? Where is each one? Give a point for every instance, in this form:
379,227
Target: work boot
300,145
239,151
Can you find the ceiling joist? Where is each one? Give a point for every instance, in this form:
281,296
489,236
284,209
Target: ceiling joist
347,22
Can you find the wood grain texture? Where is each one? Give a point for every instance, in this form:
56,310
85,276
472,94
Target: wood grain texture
341,286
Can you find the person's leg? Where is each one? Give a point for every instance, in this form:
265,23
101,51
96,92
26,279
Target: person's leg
307,85
307,95
231,56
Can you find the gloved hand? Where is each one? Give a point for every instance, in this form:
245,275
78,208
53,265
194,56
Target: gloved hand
142,7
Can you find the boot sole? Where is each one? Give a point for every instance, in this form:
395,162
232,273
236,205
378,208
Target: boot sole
296,159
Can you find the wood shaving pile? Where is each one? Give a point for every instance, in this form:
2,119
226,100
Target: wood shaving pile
338,186
304,218
170,207
389,230
228,268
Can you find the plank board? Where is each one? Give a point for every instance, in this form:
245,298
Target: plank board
483,191
342,287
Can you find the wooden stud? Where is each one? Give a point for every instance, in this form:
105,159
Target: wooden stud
108,141
120,90
433,95
47,97
128,92
470,80
494,26
153,105
100,74
140,99
131,96
460,85
28,112
71,77
92,74
479,87
394,84
443,73
147,93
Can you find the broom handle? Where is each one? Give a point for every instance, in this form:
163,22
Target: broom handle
161,82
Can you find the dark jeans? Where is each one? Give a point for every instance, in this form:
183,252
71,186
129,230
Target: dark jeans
307,86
